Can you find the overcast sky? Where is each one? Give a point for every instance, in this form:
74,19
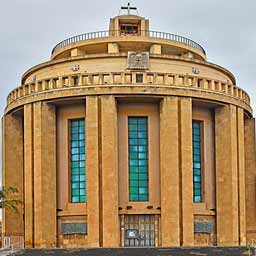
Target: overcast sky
29,30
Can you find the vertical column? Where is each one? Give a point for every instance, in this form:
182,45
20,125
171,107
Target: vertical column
169,166
186,165
250,178
44,175
241,176
110,226
28,175
92,164
13,171
226,175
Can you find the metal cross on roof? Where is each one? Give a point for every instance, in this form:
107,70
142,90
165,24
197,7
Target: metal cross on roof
129,8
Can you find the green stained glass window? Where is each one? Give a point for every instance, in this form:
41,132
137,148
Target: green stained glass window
77,160
197,171
138,158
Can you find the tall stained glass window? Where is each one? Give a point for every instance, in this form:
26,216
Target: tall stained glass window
138,158
77,160
197,167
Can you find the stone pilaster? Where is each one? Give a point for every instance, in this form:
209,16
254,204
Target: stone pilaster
28,176
170,174
12,150
250,178
226,175
44,175
186,171
92,167
241,176
110,221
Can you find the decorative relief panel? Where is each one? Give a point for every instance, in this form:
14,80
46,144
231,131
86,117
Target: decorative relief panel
204,227
74,228
138,60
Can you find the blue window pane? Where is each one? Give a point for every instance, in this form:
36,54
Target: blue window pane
143,190
82,199
138,158
133,190
74,144
75,192
81,143
74,151
74,123
143,197
196,158
81,130
134,183
133,149
75,185
197,192
133,155
75,199
82,192
197,165
82,184
82,177
134,176
74,136
142,135
142,120
75,130
81,136
133,163
82,164
197,172
142,148
142,156
197,199
143,176
134,169
134,197
143,162
82,157
75,157
133,128
133,142
143,141
197,178
77,152
196,128
143,168
197,185
133,135
196,138
75,171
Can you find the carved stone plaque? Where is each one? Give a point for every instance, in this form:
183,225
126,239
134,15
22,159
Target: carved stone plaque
138,60
74,228
204,227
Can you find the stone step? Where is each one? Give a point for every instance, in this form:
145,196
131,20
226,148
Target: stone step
173,251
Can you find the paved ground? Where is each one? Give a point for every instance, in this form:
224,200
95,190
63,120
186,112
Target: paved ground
179,251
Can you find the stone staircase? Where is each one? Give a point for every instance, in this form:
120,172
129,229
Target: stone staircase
173,251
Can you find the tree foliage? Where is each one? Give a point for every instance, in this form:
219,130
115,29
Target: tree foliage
7,199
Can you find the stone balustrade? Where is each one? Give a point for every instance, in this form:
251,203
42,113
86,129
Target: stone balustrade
128,78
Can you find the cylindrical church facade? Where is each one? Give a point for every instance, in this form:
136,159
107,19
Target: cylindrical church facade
129,137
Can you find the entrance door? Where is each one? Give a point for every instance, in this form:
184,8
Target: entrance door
139,230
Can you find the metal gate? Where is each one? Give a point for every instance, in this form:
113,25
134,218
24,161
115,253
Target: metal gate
140,230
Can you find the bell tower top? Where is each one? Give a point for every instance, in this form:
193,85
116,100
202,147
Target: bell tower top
129,23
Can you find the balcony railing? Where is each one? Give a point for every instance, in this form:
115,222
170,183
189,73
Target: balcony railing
81,80
107,34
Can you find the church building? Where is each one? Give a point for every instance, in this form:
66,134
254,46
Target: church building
129,138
